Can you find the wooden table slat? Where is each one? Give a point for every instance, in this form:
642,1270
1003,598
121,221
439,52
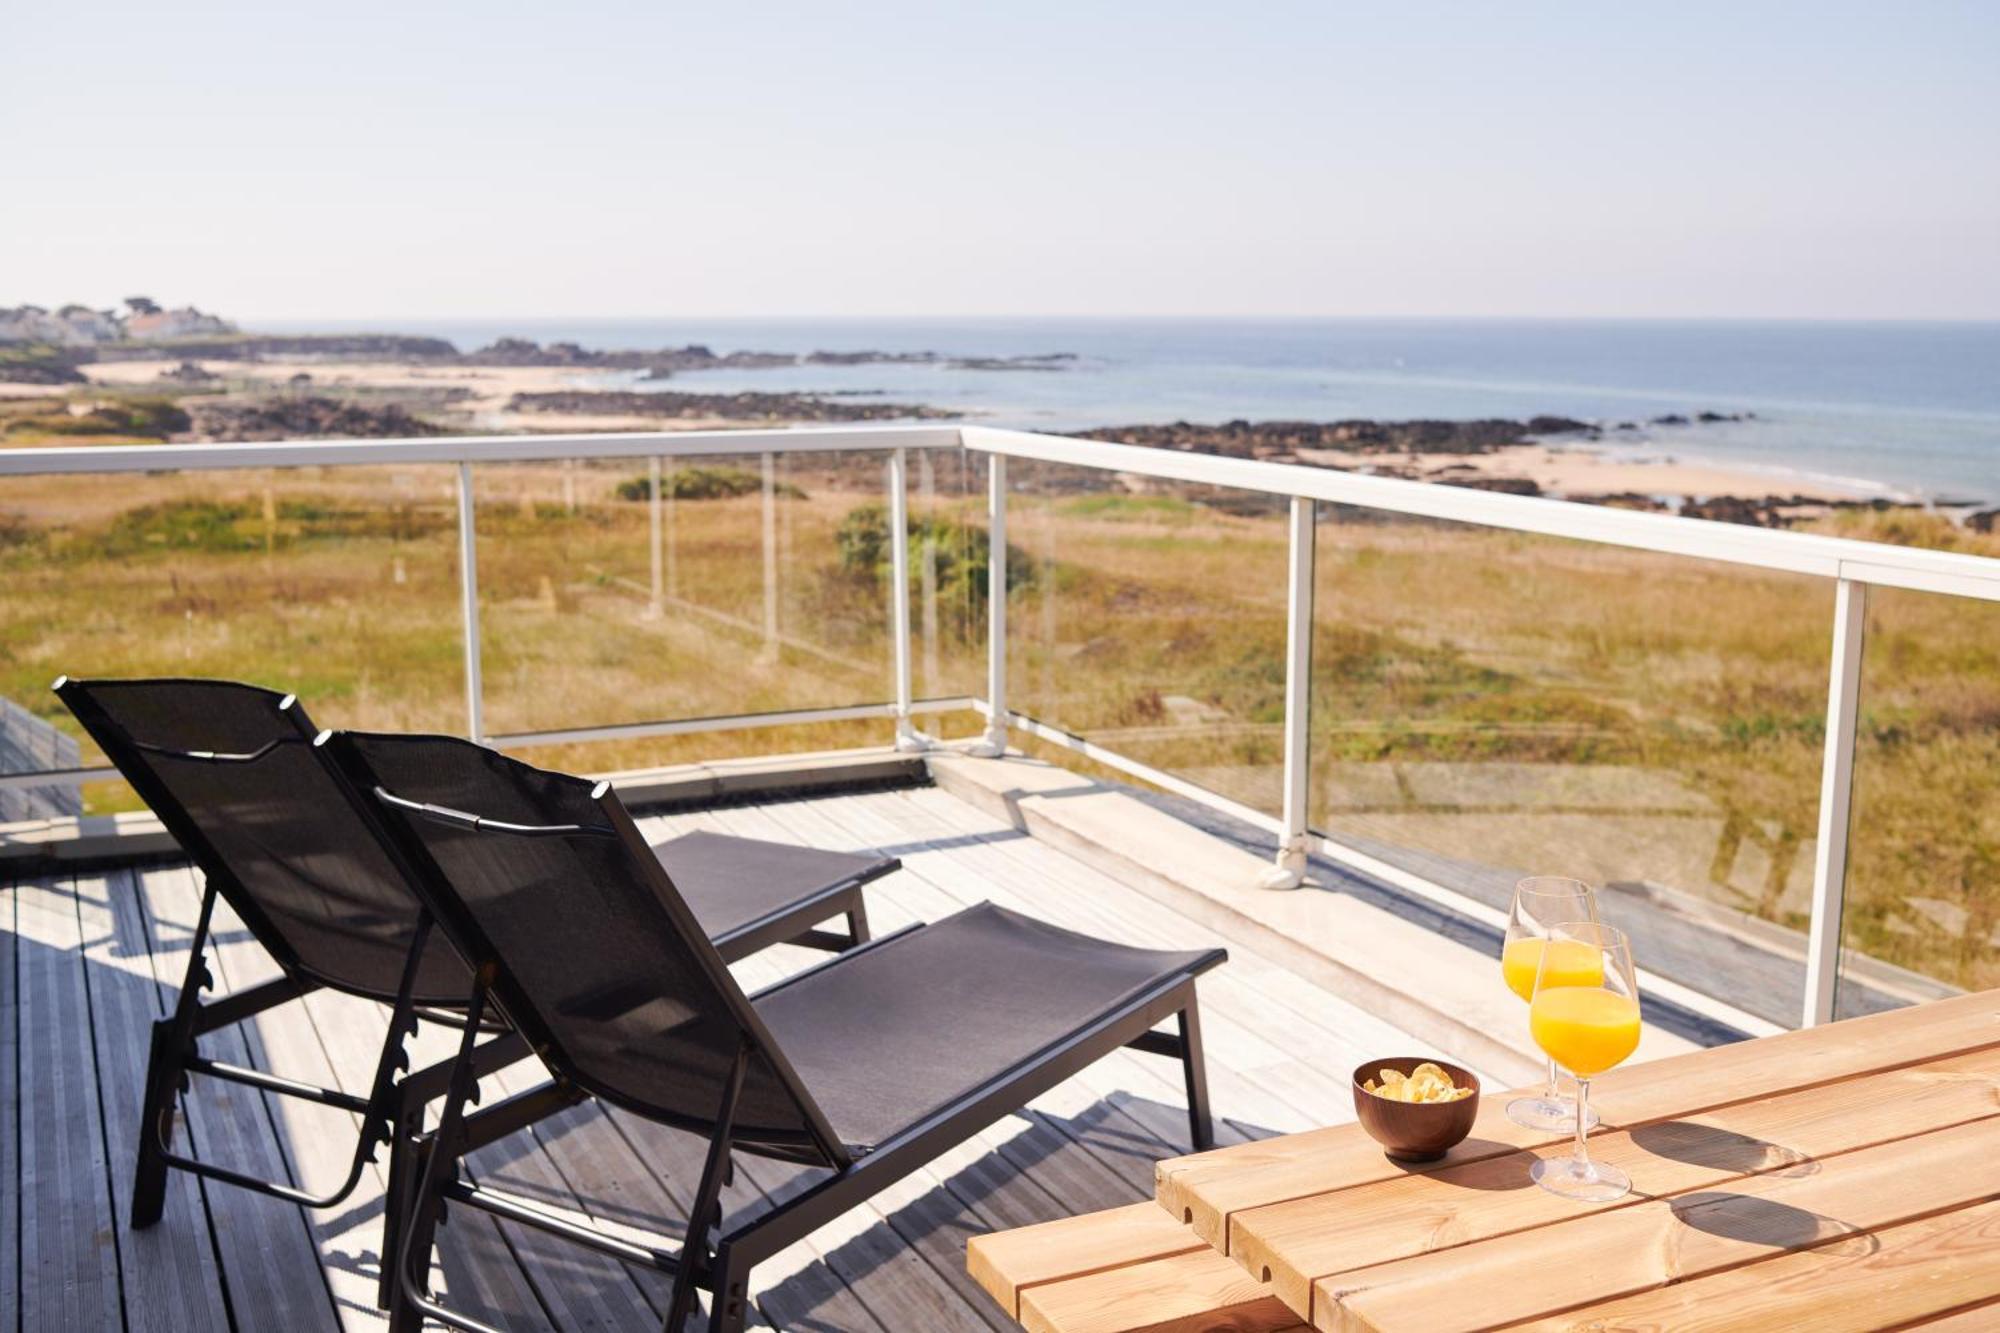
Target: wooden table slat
1910,1271
1199,1291
1598,1256
1006,1263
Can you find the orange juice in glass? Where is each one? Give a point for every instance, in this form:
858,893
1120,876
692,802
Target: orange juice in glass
1540,901
1587,1026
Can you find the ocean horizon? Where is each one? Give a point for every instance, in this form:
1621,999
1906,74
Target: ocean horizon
1901,409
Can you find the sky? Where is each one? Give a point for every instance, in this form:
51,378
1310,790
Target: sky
368,161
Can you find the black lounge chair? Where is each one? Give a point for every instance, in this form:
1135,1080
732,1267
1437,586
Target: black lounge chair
231,772
869,1065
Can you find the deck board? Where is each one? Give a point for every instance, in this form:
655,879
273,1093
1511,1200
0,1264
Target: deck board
10,1106
92,961
171,1272
69,1242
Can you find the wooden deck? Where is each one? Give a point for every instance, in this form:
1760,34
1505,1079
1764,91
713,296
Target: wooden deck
88,961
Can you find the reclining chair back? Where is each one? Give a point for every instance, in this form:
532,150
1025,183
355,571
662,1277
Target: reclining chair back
231,772
549,891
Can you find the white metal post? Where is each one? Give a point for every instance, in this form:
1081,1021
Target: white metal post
907,736
468,592
653,506
994,743
1290,870
1836,793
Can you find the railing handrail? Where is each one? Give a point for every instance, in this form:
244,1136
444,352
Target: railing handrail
103,458
1849,558
1860,561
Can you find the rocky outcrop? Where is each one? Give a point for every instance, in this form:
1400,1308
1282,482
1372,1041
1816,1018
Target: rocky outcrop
38,363
657,363
1274,439
189,372
723,406
286,347
1644,504
305,418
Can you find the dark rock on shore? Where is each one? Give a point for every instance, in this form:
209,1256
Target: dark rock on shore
1986,521
725,406
1624,500
1561,426
657,363
1271,439
189,372
40,363
305,418
665,362
1504,485
264,346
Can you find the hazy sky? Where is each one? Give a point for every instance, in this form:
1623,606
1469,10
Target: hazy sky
375,160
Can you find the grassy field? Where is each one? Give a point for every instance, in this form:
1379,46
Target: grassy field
1497,699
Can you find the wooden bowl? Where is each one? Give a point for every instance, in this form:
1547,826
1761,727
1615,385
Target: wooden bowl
1415,1131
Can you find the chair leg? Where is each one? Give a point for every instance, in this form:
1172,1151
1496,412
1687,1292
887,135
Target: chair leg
156,1125
409,1264
857,922
404,1169
434,1167
729,1304
172,1041
1201,1126
706,1208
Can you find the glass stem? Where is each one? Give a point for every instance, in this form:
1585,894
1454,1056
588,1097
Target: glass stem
1584,1168
1554,1093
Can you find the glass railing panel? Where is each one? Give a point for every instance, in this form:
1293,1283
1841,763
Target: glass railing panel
1921,916
949,552
1488,705
1149,617
337,584
740,591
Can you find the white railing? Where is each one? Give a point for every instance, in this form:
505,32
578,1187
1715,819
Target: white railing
1854,567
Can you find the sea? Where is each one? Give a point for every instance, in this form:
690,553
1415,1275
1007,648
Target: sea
1905,410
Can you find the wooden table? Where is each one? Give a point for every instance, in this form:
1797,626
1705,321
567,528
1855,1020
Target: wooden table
1843,1177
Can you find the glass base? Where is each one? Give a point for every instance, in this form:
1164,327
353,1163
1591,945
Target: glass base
1586,1182
1557,1115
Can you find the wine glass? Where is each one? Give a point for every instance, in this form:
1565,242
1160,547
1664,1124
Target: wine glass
1540,901
1586,1027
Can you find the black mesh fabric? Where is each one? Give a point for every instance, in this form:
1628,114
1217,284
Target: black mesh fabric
278,825
889,1035
731,883
597,949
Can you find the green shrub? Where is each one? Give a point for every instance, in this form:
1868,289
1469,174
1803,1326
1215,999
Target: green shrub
148,418
959,554
706,483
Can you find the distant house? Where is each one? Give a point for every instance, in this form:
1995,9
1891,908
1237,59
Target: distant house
71,326
152,325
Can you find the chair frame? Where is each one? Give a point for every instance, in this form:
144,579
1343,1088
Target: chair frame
392,1113
707,1257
